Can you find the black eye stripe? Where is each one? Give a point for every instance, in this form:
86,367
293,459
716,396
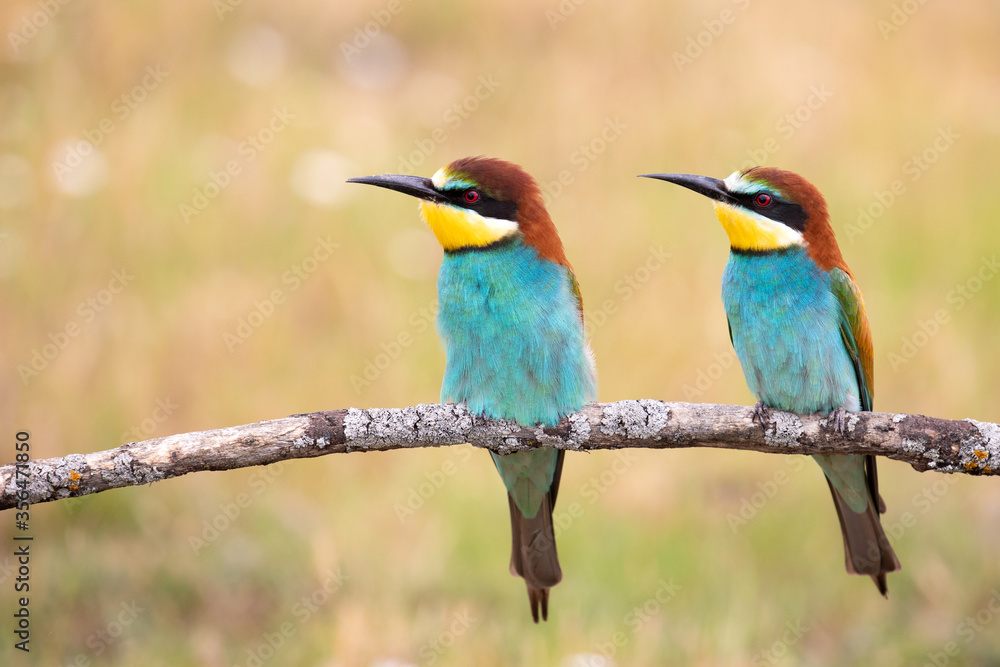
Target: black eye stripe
486,206
780,210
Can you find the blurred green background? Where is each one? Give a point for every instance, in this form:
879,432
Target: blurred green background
178,252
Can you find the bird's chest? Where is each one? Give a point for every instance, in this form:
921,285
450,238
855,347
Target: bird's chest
486,300
512,336
784,321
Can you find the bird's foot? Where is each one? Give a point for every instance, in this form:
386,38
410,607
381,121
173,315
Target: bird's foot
838,420
761,414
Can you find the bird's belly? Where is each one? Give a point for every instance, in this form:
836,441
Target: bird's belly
790,347
798,374
513,351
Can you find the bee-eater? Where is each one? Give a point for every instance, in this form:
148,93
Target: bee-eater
798,324
510,316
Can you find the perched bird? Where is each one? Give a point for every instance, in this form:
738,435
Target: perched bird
510,316
798,324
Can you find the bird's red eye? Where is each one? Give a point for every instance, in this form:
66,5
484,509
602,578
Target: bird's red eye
763,199
471,196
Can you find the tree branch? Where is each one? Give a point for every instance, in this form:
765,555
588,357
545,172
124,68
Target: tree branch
926,443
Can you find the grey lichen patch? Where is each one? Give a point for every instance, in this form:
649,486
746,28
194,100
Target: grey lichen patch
356,425
394,424
579,429
496,435
982,454
414,426
910,445
784,430
129,472
445,424
658,416
508,446
642,419
55,480
378,427
898,418
74,463
852,422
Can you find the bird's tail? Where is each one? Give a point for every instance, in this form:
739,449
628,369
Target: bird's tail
533,553
866,548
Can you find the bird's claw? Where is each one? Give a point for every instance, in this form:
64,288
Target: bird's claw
838,419
761,414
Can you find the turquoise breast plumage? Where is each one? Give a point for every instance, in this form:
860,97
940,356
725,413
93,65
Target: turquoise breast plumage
526,358
784,323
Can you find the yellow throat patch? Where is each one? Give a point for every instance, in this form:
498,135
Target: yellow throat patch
457,228
749,231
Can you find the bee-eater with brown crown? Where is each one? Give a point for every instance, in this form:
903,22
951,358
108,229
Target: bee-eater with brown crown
510,316
798,324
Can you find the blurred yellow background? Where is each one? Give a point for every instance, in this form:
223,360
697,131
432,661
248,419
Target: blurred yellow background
178,251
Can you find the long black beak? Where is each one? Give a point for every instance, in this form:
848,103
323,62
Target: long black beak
712,188
416,186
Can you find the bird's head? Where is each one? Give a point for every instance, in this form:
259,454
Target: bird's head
477,202
764,209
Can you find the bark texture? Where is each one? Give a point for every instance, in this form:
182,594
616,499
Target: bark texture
926,443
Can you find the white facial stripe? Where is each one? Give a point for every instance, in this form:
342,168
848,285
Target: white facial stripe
439,178
499,226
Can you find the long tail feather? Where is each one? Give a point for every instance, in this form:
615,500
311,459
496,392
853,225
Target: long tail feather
866,548
533,554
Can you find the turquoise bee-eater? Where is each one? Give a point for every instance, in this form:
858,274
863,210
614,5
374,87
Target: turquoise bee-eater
510,316
798,324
